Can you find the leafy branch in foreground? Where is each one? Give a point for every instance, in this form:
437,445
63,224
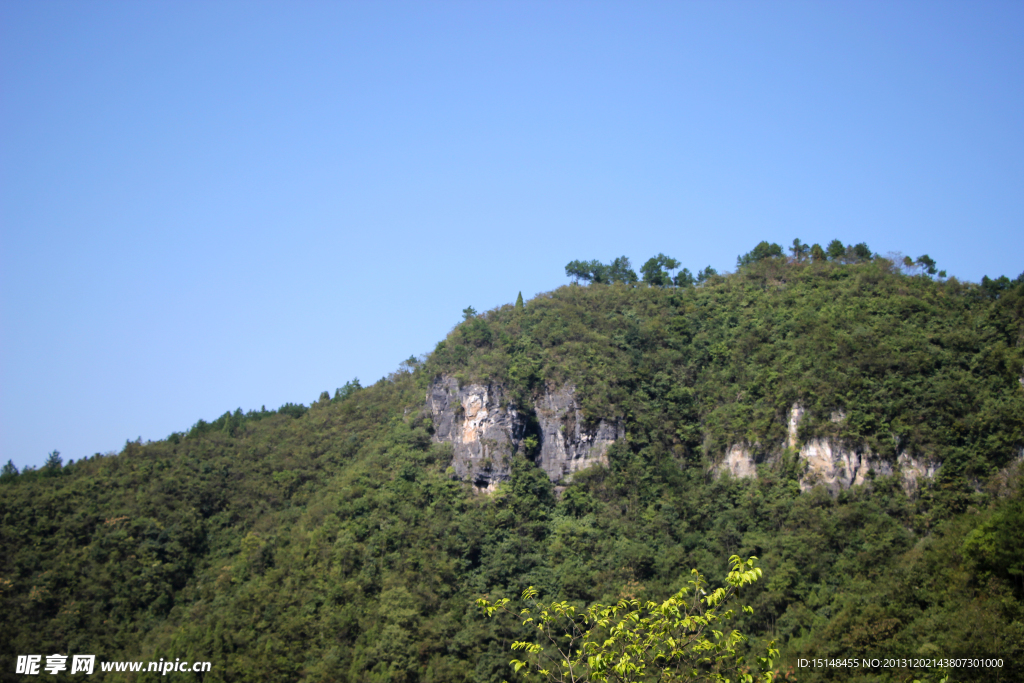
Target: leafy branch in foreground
684,638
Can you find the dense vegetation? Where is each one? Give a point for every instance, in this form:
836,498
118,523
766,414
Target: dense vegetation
331,543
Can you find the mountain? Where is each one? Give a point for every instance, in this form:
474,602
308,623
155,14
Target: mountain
853,422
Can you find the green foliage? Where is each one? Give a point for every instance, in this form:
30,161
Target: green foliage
799,250
858,253
947,595
684,278
54,462
706,274
995,288
683,638
618,271
290,409
655,270
621,271
9,472
232,423
347,391
476,332
835,250
862,253
993,548
762,251
915,365
927,263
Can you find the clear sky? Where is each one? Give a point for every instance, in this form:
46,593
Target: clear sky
213,205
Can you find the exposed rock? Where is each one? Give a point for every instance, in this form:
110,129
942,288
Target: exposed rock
486,430
839,467
836,467
913,469
567,444
831,463
796,413
484,434
739,462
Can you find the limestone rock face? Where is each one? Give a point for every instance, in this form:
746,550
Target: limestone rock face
566,443
739,462
914,469
837,467
830,463
486,429
796,413
483,432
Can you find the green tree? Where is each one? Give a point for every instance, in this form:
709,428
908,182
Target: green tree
685,638
468,312
620,270
684,278
995,288
654,270
8,472
799,250
835,250
994,547
861,253
588,271
762,251
476,332
519,302
818,254
928,263
706,274
578,270
351,387
53,462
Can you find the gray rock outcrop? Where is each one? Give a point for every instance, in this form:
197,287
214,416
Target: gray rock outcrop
739,462
483,428
486,429
567,444
830,462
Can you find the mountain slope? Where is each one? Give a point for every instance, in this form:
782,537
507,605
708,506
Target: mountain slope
334,543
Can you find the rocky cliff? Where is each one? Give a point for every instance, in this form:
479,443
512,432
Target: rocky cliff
567,443
828,462
486,429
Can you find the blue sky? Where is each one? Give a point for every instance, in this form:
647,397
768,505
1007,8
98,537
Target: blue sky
213,205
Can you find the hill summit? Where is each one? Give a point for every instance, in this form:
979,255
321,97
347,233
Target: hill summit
856,422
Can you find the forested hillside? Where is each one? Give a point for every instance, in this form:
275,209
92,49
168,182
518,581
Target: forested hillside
334,543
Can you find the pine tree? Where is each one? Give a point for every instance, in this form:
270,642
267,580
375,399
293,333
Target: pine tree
54,462
835,250
10,471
